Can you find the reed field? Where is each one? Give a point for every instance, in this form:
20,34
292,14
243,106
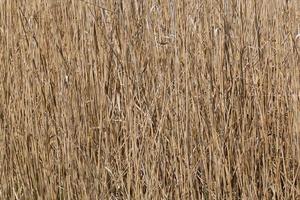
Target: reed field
146,100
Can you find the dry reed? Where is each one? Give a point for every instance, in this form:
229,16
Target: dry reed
149,99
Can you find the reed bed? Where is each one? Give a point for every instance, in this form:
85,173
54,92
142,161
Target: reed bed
149,99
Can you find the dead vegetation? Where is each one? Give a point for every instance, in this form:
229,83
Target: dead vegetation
149,99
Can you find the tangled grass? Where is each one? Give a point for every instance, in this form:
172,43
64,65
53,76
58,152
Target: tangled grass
149,99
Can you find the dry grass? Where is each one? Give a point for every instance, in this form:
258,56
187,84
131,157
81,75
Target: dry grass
149,99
